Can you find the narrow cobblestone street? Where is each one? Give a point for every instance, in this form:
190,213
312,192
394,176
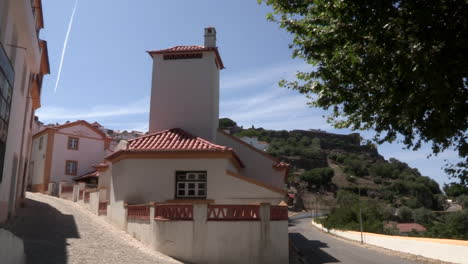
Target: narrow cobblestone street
59,231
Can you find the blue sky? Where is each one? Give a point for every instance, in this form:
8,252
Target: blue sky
106,73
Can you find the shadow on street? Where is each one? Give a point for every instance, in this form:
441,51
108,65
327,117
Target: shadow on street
44,231
312,249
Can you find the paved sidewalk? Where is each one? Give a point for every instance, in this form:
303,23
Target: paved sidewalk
60,231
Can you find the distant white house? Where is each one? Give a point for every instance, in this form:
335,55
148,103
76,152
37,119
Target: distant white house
260,145
62,152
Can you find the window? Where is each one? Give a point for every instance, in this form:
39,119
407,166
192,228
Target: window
73,143
71,167
41,142
7,77
191,184
183,56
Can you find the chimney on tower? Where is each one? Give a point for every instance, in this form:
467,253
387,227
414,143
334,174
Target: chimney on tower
210,37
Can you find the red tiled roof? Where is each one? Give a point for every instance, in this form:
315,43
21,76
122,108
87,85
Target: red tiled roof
93,174
180,48
173,140
189,49
408,227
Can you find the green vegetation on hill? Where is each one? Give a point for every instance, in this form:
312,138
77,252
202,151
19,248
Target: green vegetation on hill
340,166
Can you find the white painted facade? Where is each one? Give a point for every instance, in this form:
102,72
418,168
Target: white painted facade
185,94
91,151
93,147
23,51
258,165
38,159
137,181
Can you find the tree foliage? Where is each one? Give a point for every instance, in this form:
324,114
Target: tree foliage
455,189
318,176
226,123
397,67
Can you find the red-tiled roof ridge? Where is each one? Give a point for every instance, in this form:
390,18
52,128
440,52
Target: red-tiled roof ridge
174,132
175,141
90,174
189,49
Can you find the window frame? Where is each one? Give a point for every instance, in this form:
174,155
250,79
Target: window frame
76,167
187,181
41,142
77,143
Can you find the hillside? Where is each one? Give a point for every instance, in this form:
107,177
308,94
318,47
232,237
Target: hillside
328,172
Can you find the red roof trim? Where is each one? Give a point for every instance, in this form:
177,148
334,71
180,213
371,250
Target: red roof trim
189,49
173,140
93,174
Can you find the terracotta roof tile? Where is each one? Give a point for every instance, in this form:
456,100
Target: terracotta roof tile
174,139
189,49
92,174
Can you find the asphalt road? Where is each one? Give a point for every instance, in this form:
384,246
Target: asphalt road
318,247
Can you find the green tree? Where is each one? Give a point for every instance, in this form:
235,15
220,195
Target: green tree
455,189
226,123
397,67
405,214
423,216
318,176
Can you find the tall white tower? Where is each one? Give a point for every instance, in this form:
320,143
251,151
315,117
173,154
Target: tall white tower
185,88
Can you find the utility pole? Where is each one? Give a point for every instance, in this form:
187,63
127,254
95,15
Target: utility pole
360,211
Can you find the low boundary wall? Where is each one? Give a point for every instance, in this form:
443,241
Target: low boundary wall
194,233
449,250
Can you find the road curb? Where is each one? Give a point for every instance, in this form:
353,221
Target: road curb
418,258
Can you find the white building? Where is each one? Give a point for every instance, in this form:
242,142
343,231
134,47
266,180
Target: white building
185,161
23,63
63,152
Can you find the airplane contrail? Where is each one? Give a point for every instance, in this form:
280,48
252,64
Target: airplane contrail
65,46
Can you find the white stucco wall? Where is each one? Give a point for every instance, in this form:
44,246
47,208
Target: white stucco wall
454,251
94,202
38,156
185,94
141,230
12,248
202,241
20,20
138,181
257,166
90,151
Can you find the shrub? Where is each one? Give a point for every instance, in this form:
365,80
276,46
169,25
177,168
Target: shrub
404,214
423,216
463,201
377,180
455,189
350,179
318,176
